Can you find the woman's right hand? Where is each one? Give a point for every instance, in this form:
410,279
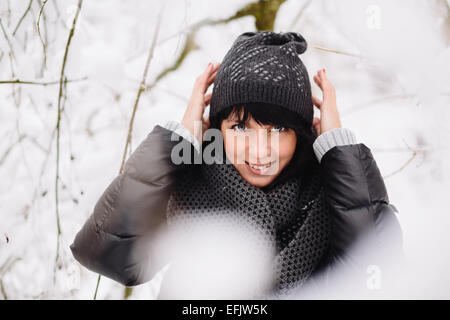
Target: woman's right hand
199,100
329,114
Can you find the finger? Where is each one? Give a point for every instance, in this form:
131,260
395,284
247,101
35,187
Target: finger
208,98
205,125
213,73
329,93
200,87
316,125
318,81
211,78
213,69
323,74
206,120
320,74
208,70
317,102
201,81
216,66
317,129
316,120
324,81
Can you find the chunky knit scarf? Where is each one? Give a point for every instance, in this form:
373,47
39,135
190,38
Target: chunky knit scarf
292,215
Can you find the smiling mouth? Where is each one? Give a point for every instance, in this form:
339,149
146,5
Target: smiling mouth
259,169
259,166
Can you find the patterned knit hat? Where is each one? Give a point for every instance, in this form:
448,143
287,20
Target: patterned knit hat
264,66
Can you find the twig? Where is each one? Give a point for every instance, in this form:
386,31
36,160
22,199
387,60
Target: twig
45,83
7,265
189,46
5,34
4,265
414,154
24,157
58,14
11,57
44,45
371,103
58,123
141,89
23,17
6,153
9,12
42,171
136,103
173,93
263,11
89,122
426,149
337,51
360,106
2,289
299,14
11,63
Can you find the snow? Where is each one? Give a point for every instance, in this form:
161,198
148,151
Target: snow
395,95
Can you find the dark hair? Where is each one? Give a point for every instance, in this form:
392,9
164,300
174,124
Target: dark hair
304,159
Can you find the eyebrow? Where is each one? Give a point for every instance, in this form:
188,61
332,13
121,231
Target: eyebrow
237,120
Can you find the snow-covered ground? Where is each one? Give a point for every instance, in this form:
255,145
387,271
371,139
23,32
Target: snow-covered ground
393,92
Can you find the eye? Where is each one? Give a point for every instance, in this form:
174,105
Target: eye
238,127
279,129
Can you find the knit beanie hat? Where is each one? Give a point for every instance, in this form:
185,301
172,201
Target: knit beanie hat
264,66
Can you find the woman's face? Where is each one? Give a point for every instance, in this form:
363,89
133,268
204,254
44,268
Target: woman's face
259,152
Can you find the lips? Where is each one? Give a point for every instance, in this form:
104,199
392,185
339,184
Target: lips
258,169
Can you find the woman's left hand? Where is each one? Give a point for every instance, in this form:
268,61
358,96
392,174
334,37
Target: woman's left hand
329,115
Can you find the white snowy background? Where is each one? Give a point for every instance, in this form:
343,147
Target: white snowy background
388,60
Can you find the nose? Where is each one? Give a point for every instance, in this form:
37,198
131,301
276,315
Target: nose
260,147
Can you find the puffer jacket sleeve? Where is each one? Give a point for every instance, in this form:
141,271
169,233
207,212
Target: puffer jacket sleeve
355,191
116,240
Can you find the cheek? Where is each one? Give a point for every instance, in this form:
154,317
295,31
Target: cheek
234,147
287,147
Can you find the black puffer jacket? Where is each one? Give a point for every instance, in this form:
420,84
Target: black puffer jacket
114,240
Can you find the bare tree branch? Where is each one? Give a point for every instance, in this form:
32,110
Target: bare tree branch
9,263
44,43
23,17
8,150
141,89
299,14
337,51
374,102
367,104
264,12
414,154
58,123
43,83
5,34
16,94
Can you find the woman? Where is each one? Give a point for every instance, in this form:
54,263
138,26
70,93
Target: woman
303,182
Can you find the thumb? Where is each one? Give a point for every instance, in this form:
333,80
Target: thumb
207,98
206,121
316,125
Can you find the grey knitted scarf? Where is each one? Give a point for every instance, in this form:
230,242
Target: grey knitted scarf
292,215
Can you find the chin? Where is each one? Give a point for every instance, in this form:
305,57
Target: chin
260,184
